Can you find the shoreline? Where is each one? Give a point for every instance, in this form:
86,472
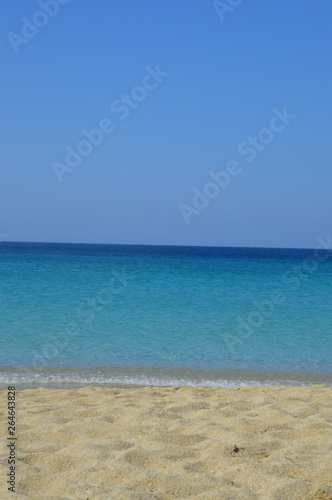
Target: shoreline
66,377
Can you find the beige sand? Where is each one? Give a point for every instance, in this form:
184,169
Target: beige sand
172,443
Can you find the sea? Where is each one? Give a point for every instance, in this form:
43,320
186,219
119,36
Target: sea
130,315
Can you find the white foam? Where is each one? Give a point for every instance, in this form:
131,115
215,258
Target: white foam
42,379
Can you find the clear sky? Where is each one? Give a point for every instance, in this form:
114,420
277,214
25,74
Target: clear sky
177,89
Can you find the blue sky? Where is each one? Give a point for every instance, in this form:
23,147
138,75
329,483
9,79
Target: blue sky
221,80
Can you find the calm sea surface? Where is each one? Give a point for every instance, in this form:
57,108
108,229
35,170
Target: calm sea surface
127,314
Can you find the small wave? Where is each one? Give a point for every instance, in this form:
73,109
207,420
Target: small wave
74,378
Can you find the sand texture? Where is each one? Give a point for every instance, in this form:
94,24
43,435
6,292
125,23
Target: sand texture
172,443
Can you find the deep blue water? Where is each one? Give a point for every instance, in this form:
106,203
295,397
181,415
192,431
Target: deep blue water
118,307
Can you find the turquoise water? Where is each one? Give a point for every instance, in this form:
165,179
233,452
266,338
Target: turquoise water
135,314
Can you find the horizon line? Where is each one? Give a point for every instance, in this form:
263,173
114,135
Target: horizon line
153,245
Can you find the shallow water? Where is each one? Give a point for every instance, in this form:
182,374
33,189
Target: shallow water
93,308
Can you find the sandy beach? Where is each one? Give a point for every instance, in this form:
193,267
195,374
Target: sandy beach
157,443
